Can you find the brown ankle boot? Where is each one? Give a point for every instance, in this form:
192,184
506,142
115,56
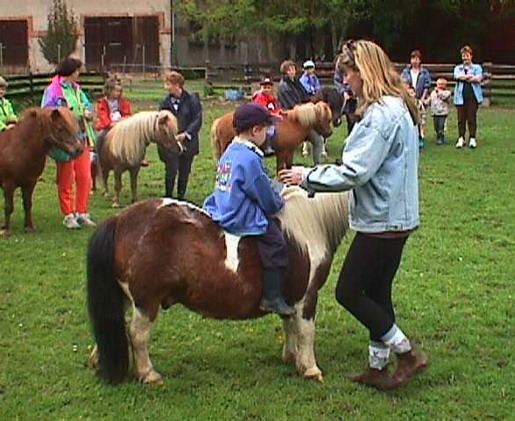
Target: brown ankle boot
409,364
372,377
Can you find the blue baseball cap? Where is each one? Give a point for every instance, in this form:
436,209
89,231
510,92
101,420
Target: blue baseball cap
249,115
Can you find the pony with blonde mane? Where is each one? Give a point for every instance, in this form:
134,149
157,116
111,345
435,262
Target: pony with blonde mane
291,131
125,145
138,260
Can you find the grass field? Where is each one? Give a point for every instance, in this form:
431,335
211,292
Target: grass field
453,294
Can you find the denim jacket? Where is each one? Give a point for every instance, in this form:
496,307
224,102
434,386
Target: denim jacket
380,166
474,69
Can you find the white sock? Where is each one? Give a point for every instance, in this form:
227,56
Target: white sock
378,355
397,340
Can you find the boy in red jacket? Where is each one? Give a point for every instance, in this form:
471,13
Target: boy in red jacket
267,99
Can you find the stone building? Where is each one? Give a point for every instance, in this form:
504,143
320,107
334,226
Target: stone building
139,35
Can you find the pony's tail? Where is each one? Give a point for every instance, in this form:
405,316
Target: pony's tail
216,147
106,305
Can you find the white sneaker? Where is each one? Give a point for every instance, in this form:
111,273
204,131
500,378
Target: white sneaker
460,143
85,219
472,143
70,222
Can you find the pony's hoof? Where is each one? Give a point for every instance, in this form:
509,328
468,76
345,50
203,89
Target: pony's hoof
115,205
5,233
153,377
92,361
31,230
314,373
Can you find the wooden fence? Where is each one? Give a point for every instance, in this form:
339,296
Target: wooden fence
499,82
498,85
30,87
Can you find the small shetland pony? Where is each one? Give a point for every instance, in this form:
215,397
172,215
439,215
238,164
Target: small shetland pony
139,259
336,102
23,153
125,144
291,131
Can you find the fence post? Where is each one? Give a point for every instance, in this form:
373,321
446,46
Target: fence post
206,75
247,77
487,89
31,85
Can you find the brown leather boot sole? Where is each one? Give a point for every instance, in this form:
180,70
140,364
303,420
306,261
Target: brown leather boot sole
408,367
372,377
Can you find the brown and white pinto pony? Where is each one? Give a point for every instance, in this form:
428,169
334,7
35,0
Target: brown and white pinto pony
291,131
23,155
139,259
125,144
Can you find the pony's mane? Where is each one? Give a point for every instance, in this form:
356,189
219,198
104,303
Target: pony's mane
308,114
129,138
305,114
317,224
43,117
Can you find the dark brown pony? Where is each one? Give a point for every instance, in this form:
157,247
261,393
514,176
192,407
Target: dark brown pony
292,130
158,253
23,152
125,144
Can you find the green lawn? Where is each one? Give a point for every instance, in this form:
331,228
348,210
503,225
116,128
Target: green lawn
453,294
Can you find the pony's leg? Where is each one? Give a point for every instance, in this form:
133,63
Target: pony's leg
117,189
290,340
305,344
8,209
134,183
105,177
140,328
27,207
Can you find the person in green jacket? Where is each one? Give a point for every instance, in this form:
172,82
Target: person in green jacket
8,118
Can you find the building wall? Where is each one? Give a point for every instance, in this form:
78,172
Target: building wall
187,52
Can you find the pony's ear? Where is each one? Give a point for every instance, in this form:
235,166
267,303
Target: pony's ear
31,112
55,114
163,119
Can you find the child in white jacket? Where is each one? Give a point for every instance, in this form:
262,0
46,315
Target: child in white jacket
439,100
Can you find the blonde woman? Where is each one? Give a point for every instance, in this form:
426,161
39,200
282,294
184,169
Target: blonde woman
379,165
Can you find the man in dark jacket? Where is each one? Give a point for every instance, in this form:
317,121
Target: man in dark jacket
188,110
291,93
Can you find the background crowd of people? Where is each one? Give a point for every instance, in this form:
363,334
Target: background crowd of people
75,177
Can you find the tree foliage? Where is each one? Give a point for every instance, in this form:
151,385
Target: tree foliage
61,37
439,27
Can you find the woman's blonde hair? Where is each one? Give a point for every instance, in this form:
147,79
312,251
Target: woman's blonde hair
377,73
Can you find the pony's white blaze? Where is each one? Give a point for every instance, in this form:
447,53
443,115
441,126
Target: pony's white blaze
231,246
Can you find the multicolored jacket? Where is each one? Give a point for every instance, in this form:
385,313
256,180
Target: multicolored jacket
7,114
65,94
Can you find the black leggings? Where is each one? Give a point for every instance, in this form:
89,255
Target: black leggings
365,283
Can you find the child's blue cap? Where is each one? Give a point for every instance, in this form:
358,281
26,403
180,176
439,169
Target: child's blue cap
249,115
